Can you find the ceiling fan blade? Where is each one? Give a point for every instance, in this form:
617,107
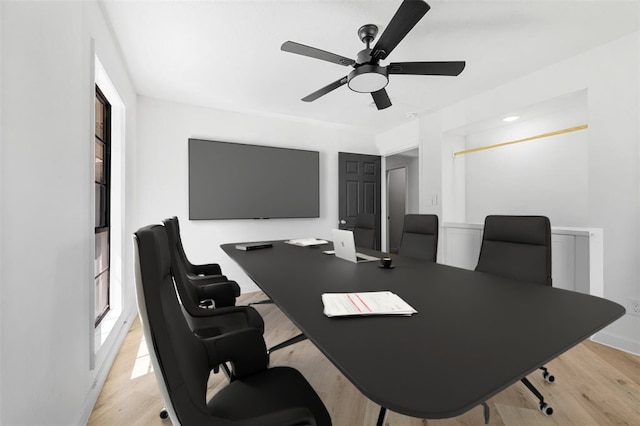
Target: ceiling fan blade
381,99
326,89
312,52
407,16
427,68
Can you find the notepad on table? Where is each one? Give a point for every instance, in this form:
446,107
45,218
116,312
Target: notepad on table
306,242
365,303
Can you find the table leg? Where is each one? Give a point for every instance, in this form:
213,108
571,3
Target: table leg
299,338
382,417
486,413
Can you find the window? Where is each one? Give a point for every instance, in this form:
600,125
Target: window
102,260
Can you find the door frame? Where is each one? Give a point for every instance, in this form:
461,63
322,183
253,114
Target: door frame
388,198
413,181
374,161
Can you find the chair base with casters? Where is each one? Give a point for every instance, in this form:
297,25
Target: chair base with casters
544,408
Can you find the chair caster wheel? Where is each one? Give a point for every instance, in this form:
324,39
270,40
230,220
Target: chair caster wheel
546,409
164,414
548,377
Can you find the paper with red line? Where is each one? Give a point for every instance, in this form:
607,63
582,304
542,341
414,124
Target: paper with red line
365,303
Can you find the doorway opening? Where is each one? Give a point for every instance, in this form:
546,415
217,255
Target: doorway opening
397,205
402,181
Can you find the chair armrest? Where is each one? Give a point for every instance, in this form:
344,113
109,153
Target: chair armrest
289,417
210,279
223,294
206,279
244,349
207,269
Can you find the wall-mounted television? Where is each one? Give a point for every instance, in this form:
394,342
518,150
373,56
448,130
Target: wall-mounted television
241,181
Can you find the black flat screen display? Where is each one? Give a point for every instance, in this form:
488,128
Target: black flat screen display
241,181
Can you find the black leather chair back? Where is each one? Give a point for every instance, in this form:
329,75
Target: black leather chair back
517,247
419,237
179,265
364,231
173,232
181,357
182,361
175,239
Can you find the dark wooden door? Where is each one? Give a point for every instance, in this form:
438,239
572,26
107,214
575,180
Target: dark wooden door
359,178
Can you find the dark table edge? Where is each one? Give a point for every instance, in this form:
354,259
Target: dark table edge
444,414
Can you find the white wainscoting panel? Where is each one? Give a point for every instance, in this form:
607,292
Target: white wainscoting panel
576,253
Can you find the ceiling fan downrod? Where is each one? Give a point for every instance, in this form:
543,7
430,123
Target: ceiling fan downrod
367,34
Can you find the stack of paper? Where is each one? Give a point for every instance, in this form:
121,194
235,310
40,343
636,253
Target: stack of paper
367,303
306,242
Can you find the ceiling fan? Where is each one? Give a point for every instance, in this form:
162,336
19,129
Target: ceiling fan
368,76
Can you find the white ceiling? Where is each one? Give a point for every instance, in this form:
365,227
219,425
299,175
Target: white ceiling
226,54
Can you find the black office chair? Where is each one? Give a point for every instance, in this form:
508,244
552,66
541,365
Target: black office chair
182,362
209,306
419,237
194,272
219,316
519,247
364,231
200,279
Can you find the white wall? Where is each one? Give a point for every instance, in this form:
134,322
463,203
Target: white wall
162,173
1,200
431,165
454,194
612,150
47,207
400,139
547,176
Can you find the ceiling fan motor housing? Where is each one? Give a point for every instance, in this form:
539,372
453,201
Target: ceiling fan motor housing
364,57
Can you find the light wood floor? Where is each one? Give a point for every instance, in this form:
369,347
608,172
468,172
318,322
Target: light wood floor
595,385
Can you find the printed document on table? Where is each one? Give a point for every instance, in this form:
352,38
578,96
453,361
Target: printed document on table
306,242
365,303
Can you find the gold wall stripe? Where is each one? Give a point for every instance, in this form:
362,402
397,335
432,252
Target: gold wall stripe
542,135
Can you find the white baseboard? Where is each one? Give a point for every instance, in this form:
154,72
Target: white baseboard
617,342
105,368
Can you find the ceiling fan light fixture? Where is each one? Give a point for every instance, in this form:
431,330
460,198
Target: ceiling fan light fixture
510,118
368,78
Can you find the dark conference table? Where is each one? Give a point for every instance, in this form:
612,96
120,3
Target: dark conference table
474,334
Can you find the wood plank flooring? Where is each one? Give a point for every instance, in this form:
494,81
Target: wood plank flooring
595,385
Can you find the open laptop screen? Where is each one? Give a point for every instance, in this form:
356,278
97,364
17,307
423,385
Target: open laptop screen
345,247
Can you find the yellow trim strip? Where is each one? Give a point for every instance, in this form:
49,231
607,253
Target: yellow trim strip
543,135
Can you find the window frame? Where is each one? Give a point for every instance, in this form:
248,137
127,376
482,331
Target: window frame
103,225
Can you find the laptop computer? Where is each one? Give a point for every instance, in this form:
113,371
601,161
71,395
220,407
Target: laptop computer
345,247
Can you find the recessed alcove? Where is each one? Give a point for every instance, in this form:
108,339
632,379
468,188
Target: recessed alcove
534,165
519,170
